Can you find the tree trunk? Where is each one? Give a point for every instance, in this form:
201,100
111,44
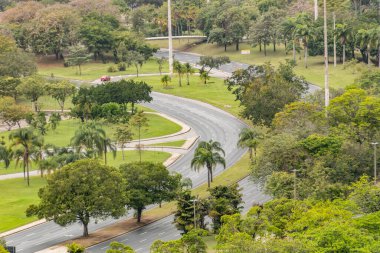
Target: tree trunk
225,47
250,154
265,49
369,55
180,80
294,51
306,56
139,214
140,143
260,46
237,45
122,151
274,45
188,77
85,229
80,70
344,53
137,71
208,179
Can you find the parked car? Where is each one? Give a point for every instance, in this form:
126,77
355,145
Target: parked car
105,78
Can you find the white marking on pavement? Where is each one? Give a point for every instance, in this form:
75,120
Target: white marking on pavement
142,233
30,234
143,240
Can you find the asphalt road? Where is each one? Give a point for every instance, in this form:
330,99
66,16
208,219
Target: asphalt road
164,229
209,122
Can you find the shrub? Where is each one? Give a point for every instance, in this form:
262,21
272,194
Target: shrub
112,69
122,66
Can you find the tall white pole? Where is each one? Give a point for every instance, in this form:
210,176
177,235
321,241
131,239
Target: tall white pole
170,38
334,27
327,90
315,9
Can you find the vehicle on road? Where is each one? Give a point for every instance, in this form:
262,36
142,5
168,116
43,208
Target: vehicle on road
105,78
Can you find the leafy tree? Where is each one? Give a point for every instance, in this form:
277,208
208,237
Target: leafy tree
224,200
25,138
11,113
33,88
174,246
140,122
3,250
117,247
81,191
211,62
304,30
208,154
135,58
370,81
343,32
8,87
366,195
77,57
83,103
184,216
60,91
148,183
47,165
123,135
264,91
17,64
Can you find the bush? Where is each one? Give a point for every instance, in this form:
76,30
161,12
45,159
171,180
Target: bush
75,248
112,69
122,66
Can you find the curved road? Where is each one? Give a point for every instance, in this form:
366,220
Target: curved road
210,123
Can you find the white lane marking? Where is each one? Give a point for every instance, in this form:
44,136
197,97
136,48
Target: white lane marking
125,240
30,234
142,233
143,240
104,247
161,233
139,249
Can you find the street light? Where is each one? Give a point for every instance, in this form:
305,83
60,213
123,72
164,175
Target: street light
374,162
195,221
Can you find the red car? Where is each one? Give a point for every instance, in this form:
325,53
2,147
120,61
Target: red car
105,78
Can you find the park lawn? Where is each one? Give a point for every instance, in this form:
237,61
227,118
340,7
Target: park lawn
46,103
178,44
13,168
158,126
15,198
338,76
94,70
133,156
169,144
214,92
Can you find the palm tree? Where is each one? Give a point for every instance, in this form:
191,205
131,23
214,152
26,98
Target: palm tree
343,31
208,154
107,144
89,137
189,71
25,138
179,68
250,138
6,155
374,37
288,29
165,80
363,41
304,31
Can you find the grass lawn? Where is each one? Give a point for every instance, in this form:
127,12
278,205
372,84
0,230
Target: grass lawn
214,92
93,70
133,156
15,198
158,126
14,169
178,44
211,243
169,144
338,76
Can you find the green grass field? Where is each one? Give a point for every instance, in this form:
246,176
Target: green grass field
16,196
93,70
214,93
158,126
169,144
338,76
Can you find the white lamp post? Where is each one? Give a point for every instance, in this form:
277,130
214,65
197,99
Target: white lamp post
170,38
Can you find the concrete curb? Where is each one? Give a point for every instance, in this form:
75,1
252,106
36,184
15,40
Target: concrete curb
22,228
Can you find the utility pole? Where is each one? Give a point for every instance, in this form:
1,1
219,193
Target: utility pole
374,162
295,184
327,90
170,38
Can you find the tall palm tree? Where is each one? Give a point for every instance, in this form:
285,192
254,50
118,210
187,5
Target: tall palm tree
343,32
363,42
304,30
374,37
208,154
89,137
189,71
250,138
108,145
179,68
25,138
288,29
